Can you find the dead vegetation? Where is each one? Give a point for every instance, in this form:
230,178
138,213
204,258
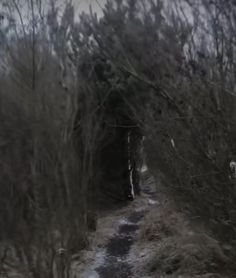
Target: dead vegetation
176,248
69,86
45,174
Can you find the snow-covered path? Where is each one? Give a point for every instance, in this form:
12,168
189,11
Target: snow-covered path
112,259
115,264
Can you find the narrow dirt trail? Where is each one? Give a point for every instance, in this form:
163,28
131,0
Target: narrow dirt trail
118,247
112,259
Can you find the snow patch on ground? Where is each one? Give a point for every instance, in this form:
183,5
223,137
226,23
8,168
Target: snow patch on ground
98,261
141,209
124,221
152,202
144,169
93,275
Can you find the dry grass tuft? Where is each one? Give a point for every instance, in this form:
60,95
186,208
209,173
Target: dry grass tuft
188,254
162,222
179,250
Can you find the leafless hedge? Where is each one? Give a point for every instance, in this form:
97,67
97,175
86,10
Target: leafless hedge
167,66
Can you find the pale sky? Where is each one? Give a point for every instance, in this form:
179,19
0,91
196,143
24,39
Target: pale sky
83,5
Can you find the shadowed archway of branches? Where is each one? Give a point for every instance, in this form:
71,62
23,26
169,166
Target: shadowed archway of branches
117,154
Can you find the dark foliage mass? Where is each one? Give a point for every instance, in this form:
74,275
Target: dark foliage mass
76,97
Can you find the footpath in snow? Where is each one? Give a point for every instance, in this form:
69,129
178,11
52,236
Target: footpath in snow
109,254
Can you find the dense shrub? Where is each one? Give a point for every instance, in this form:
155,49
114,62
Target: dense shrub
166,68
171,71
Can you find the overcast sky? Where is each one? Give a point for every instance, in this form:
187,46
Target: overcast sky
83,5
